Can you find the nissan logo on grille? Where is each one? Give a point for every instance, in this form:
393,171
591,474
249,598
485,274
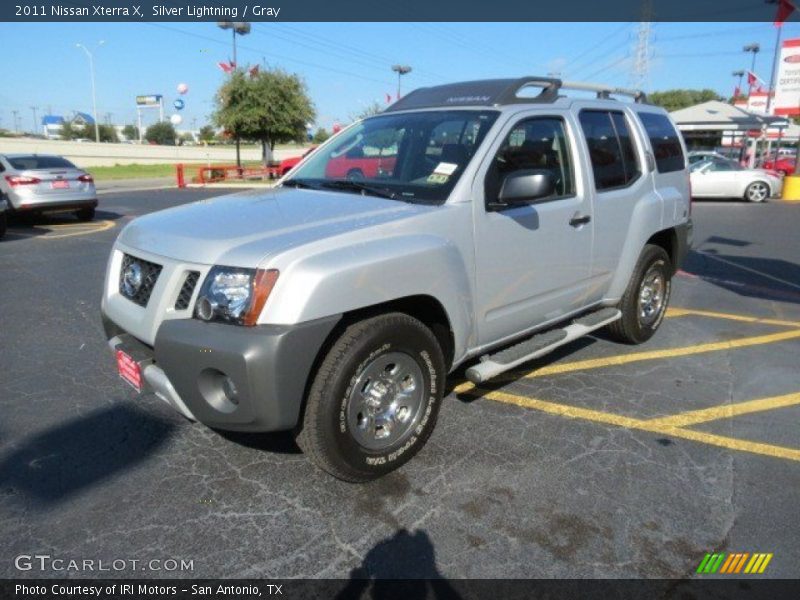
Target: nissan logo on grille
132,279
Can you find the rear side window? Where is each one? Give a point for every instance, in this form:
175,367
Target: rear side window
611,148
34,161
665,142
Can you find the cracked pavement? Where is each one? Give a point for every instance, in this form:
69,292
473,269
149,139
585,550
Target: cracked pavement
89,471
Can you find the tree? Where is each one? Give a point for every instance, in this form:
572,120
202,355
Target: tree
162,133
107,133
207,133
321,135
369,110
69,131
131,132
680,98
270,106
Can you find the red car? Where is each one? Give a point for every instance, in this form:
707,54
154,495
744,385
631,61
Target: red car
287,164
783,164
356,165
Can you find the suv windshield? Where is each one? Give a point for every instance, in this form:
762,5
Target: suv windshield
409,156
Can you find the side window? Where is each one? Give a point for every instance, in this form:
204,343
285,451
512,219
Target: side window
538,143
665,142
611,149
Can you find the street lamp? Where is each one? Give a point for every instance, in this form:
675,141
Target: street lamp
240,28
754,48
739,74
400,70
94,94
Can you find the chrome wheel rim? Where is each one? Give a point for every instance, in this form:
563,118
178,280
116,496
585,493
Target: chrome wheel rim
385,403
757,192
651,295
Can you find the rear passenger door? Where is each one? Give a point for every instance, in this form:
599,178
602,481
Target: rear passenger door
618,182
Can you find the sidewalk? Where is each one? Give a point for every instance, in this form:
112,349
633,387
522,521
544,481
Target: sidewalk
110,186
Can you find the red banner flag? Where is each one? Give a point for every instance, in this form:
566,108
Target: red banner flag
227,67
388,98
737,92
785,8
253,71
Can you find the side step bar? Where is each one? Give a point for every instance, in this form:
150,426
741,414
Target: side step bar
492,365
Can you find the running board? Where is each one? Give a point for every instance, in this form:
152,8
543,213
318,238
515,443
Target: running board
491,365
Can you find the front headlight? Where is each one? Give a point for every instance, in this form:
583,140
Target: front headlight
234,295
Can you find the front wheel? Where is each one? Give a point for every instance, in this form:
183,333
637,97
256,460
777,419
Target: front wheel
374,400
645,300
758,191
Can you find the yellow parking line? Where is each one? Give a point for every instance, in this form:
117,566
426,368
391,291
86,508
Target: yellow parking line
726,411
623,359
640,424
735,317
96,228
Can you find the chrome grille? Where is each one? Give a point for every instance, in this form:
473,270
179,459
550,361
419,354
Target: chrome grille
187,289
147,276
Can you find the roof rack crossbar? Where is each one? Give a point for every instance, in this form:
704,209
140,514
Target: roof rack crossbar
549,93
605,91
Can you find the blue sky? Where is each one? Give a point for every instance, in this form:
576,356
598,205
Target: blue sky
347,65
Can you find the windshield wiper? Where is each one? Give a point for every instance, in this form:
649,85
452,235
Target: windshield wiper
298,183
357,186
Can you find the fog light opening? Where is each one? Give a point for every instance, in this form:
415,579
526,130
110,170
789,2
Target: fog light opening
219,390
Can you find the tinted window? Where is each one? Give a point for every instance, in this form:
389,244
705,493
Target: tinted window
610,148
34,161
665,142
538,143
725,165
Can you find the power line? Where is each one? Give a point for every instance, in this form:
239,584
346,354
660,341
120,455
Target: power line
594,47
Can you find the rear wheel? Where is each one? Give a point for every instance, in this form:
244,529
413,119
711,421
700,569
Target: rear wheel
645,300
758,191
355,175
85,214
374,399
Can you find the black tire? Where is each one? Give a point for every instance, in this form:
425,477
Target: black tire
633,327
355,175
326,433
3,223
85,214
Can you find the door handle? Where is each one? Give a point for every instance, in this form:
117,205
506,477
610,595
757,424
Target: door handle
578,219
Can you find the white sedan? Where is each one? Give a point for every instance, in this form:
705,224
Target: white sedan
722,178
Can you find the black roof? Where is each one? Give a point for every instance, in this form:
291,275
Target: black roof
498,92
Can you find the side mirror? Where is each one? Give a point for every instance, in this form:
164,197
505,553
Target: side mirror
525,187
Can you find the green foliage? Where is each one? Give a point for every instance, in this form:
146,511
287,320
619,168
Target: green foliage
271,107
162,133
107,133
70,132
321,135
678,99
207,133
131,132
368,111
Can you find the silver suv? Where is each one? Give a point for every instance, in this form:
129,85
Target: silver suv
480,224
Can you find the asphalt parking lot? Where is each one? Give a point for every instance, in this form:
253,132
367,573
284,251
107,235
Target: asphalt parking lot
601,461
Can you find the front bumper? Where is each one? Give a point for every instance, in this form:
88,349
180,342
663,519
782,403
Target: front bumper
269,366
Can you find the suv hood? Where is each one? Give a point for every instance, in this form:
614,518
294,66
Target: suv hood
241,230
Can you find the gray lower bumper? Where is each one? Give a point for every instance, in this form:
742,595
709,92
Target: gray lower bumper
268,365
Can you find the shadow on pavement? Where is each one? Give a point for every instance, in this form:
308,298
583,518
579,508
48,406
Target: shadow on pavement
749,276
55,464
407,556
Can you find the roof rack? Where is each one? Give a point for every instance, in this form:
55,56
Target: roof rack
499,92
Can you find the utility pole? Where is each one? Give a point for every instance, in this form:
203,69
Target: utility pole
16,126
776,54
240,28
107,118
641,62
35,122
739,74
94,94
400,70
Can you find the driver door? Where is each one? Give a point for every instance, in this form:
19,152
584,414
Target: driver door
533,261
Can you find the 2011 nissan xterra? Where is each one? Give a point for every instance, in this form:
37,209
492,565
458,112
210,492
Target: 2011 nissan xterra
496,220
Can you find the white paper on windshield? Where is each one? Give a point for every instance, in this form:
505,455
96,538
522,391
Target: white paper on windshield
444,168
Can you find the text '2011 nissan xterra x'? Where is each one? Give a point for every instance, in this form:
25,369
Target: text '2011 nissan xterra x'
477,223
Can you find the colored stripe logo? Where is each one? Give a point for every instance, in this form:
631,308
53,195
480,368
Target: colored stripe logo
734,563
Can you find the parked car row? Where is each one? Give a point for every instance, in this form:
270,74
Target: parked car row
714,176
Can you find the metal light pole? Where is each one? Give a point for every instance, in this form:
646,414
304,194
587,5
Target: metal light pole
16,126
35,125
754,48
776,54
400,70
739,74
94,94
240,28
